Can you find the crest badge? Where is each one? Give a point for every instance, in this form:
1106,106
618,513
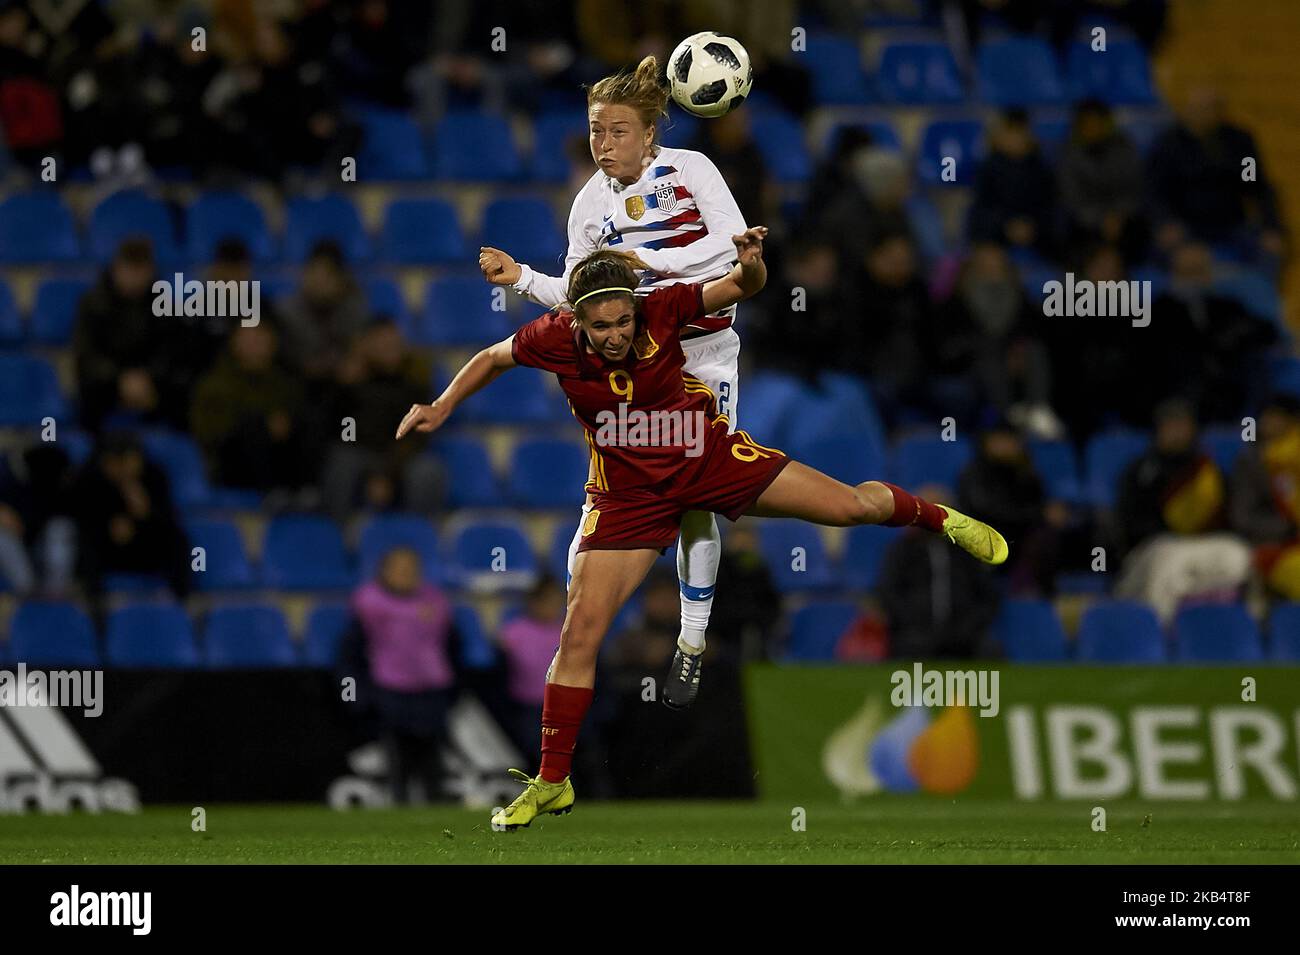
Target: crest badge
644,345
635,206
666,198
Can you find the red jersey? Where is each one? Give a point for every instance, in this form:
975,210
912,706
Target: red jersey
643,415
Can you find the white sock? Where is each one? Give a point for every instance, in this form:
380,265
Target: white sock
573,547
699,548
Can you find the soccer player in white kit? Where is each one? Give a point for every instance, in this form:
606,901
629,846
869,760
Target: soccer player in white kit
673,209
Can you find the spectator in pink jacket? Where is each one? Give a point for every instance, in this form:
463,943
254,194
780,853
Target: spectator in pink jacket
528,642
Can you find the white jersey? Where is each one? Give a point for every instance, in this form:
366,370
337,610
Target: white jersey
679,217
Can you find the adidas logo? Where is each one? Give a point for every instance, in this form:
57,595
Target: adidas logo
45,766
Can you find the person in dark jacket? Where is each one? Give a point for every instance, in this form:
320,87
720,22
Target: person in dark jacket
1015,190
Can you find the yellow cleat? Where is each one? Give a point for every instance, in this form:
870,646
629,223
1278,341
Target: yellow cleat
975,537
538,798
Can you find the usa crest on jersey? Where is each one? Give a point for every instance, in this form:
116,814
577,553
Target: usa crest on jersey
666,198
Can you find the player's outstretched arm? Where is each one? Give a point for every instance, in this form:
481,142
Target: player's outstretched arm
746,279
479,371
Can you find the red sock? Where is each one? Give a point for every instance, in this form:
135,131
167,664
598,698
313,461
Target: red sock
909,510
563,709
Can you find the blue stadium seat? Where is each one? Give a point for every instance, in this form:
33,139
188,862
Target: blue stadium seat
11,323
919,74
1106,457
1256,293
305,552
1119,75
37,227
841,408
470,550
547,472
383,532
132,213
54,313
1284,375
227,564
835,62
384,297
150,635
458,311
29,390
475,146
882,134
780,138
179,455
959,139
1223,444
1058,466
526,228
1284,633
470,479
864,553
681,128
1120,631
218,215
920,460
851,460
326,625
772,405
56,634
392,147
249,636
780,542
551,134
1030,632
1216,633
1017,71
421,232
815,630
309,220
477,652
522,396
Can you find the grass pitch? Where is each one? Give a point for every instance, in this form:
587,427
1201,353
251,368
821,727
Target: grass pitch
885,830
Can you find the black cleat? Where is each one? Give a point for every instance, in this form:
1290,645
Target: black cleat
683,681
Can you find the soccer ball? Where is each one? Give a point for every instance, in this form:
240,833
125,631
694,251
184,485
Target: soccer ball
709,75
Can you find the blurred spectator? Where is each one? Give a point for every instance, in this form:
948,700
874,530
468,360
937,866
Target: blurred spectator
1204,345
383,378
1264,495
31,116
988,331
728,142
746,603
1002,485
1197,187
858,194
248,416
1171,516
529,643
323,318
892,312
939,603
647,647
806,343
130,362
1101,183
38,538
407,626
1015,189
126,521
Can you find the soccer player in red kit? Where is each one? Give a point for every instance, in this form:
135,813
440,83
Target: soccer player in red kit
659,449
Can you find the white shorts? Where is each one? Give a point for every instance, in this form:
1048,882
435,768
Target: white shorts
713,359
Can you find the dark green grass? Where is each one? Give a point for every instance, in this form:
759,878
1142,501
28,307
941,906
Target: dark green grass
885,830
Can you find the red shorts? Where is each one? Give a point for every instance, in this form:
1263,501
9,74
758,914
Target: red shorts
726,479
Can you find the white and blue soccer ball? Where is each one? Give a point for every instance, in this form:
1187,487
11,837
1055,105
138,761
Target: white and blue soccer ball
709,74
